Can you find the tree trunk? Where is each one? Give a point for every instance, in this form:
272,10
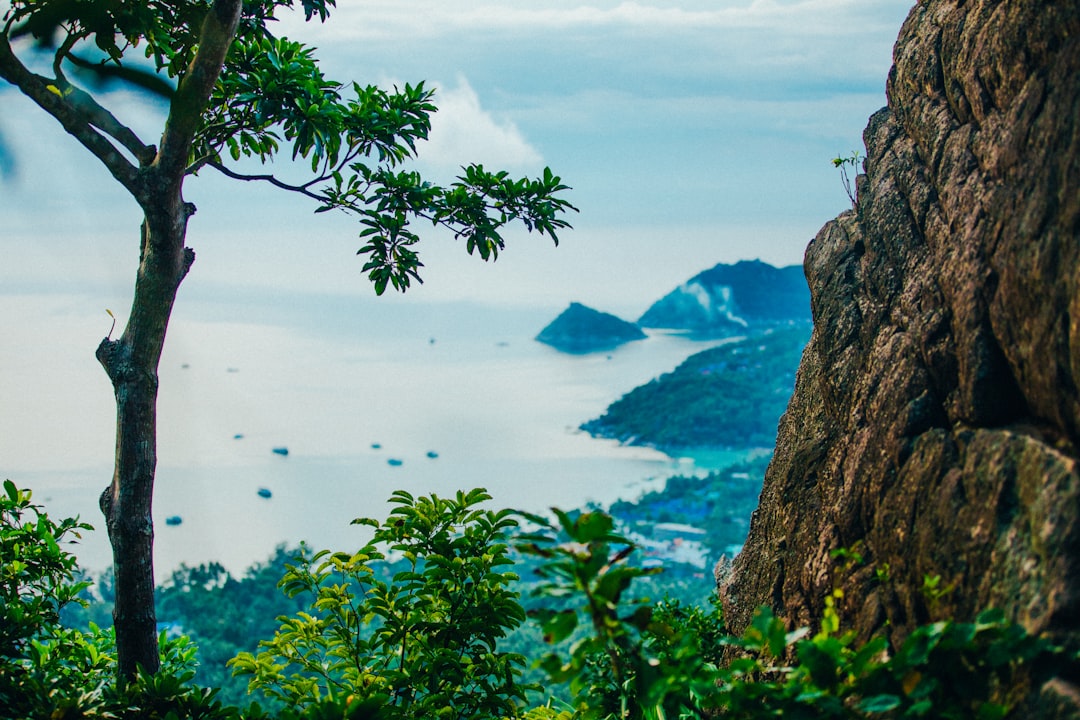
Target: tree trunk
131,363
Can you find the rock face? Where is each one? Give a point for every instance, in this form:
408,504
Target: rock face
936,417
729,299
580,329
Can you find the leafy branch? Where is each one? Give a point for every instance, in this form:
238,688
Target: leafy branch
652,662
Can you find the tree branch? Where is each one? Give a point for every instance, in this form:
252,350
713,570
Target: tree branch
61,53
302,189
96,115
105,121
193,93
64,104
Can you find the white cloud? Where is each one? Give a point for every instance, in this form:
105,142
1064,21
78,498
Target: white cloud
463,132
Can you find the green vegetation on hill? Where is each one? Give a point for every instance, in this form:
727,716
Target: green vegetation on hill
731,395
227,615
719,503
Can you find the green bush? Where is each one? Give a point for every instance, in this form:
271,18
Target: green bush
421,644
40,663
664,661
50,671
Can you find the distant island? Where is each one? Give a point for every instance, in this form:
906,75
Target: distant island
725,300
728,396
733,299
580,329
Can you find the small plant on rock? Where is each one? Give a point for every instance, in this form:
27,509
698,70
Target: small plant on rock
849,167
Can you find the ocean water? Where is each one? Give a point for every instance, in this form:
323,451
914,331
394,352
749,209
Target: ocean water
368,396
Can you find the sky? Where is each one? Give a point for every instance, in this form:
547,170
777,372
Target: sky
691,132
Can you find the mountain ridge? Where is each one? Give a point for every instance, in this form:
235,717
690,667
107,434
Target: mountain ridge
730,299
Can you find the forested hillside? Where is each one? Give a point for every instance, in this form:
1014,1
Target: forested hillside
730,396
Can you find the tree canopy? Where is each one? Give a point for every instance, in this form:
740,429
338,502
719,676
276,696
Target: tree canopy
236,91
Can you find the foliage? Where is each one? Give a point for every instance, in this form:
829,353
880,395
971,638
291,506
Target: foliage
424,643
236,93
731,395
221,614
854,162
36,573
50,671
226,615
665,661
943,670
36,582
271,96
585,562
411,626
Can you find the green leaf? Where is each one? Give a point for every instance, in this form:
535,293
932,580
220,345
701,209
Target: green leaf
820,659
992,711
557,625
879,703
592,526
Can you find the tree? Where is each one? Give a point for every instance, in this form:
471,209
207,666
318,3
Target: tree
235,91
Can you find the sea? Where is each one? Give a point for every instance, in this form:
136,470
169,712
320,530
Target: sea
283,418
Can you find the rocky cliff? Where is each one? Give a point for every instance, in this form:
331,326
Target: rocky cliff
936,417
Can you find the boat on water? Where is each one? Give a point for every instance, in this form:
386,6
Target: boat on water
265,493
394,462
280,451
174,520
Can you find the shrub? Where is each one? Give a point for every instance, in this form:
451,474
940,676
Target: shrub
665,661
419,644
49,671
